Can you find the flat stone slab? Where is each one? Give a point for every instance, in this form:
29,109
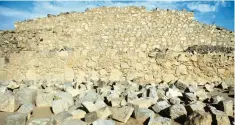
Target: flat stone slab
16,119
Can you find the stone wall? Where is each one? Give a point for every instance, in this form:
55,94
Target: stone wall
114,44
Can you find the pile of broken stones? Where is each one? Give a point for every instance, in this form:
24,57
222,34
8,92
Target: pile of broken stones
100,103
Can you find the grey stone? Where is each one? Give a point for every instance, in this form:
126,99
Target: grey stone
39,121
173,93
103,122
180,85
73,122
26,96
13,85
226,106
64,115
44,99
199,118
196,106
65,96
223,86
59,106
90,106
16,119
90,96
142,114
159,121
174,100
27,109
91,117
8,103
142,102
122,114
78,114
190,97
161,105
104,113
177,111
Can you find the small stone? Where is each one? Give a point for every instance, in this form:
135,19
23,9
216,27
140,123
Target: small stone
78,114
216,99
177,111
26,96
91,117
27,109
159,106
104,113
8,103
44,99
73,122
39,121
199,118
64,115
103,122
209,87
196,106
226,106
174,100
122,114
142,114
16,119
159,121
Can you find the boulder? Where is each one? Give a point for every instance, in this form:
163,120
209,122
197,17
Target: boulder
91,117
26,96
190,97
177,111
227,107
78,114
44,99
13,85
209,87
173,93
104,113
64,115
122,114
91,107
216,99
223,86
201,94
142,102
65,96
90,96
142,114
8,103
161,105
174,100
16,119
27,109
196,106
59,106
199,118
219,117
180,85
103,122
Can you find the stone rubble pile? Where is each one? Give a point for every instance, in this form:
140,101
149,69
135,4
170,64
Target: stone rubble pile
115,102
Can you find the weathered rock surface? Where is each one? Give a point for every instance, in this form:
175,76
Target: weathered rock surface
8,103
199,118
122,114
16,119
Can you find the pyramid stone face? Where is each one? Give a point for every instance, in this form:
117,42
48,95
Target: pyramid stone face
109,38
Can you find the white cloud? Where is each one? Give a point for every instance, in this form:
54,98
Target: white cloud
205,7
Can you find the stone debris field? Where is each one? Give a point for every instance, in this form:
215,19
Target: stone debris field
117,66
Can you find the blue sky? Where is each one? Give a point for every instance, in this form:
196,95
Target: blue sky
219,12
